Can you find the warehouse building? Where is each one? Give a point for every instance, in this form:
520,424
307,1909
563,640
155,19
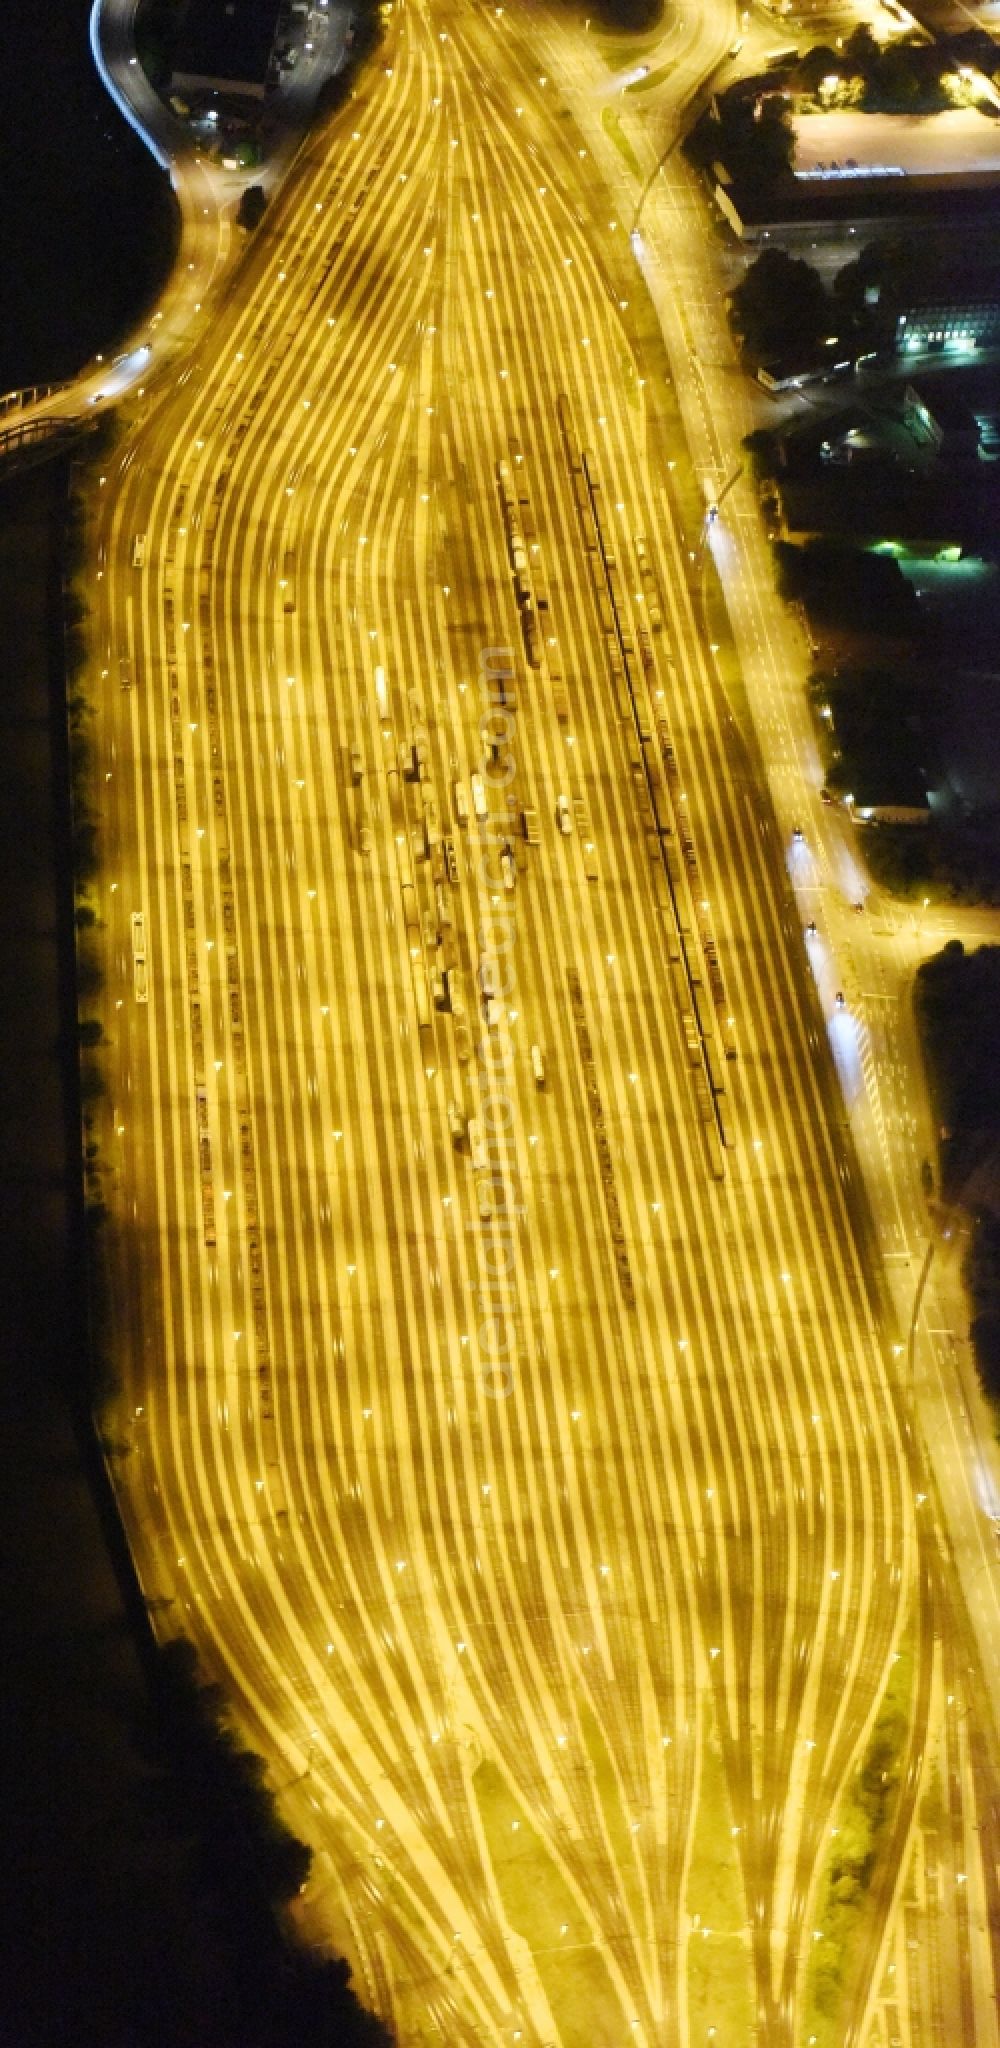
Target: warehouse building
949,324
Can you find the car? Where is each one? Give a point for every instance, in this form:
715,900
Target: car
840,999
735,48
811,929
826,796
797,834
96,397
564,818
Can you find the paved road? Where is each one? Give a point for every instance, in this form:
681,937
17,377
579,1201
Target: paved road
543,1488
873,1043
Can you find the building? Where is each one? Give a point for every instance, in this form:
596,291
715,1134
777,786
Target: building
941,419
944,325
796,209
789,373
226,46
892,814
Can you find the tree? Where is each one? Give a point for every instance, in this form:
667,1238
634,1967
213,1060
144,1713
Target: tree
236,1969
775,147
753,135
975,48
847,588
861,52
816,65
982,1277
886,276
897,84
781,305
253,203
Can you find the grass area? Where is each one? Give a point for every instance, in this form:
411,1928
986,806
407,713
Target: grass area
933,1810
719,634
620,51
861,1827
613,129
617,1822
538,1904
720,1992
652,78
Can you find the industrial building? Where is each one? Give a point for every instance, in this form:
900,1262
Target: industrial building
948,325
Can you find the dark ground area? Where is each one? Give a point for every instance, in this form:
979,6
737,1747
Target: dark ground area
88,223
84,207
146,1872
957,1004
71,1679
958,1010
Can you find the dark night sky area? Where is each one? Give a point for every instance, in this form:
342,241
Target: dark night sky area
87,221
83,1900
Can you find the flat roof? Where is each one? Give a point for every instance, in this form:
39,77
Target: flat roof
228,40
868,202
956,142
813,362
946,403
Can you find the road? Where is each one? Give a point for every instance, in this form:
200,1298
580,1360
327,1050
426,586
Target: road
552,1509
874,1044
207,196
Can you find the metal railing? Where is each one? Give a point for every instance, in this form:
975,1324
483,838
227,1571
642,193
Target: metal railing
19,401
